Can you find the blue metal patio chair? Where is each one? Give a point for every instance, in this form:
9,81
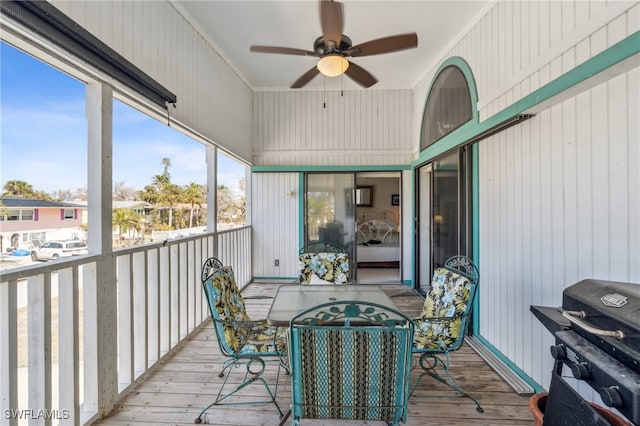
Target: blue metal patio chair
350,360
212,264
242,340
321,247
443,322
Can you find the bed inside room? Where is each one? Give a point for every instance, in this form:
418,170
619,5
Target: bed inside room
378,245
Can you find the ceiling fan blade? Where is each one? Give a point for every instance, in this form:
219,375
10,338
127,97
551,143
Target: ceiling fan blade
331,21
305,78
282,50
385,45
360,75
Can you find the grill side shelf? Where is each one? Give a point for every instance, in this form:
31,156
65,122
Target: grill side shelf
551,318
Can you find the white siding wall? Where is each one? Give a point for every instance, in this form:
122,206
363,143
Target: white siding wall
558,193
361,127
275,223
519,46
212,100
559,203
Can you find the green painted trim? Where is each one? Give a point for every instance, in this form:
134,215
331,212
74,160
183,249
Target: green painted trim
428,154
617,53
302,193
475,230
353,168
414,210
536,387
464,67
608,58
407,282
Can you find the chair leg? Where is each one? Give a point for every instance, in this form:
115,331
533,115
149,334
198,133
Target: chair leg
428,363
254,370
285,417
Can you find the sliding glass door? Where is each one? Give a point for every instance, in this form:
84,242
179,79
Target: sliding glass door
443,226
330,211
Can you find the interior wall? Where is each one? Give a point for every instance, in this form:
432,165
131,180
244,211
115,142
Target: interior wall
383,188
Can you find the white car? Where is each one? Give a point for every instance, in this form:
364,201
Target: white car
57,249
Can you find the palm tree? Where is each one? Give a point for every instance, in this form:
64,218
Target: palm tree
166,162
121,220
149,194
18,188
126,220
169,197
193,194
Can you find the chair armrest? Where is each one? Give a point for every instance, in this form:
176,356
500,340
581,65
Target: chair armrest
258,335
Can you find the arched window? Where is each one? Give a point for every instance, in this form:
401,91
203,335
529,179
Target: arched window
448,106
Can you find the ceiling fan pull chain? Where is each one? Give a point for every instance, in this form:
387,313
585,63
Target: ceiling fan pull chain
324,92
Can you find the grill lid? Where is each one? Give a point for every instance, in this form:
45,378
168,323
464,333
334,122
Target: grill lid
607,313
606,302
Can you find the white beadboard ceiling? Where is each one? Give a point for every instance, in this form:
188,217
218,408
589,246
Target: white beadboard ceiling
233,26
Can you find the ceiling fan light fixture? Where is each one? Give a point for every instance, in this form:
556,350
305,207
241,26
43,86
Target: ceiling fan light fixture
332,65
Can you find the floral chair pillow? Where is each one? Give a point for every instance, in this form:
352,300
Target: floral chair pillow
324,268
443,316
242,335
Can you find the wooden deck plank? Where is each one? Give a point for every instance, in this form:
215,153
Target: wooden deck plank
187,381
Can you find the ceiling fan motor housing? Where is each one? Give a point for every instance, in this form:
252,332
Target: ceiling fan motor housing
321,48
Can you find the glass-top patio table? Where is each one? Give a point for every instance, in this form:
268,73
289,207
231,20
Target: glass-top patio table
291,299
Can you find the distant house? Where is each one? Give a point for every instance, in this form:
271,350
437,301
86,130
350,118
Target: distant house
141,207
23,220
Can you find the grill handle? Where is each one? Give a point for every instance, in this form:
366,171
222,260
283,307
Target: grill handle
573,317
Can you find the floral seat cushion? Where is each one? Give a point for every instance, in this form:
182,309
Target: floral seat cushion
242,335
331,268
440,324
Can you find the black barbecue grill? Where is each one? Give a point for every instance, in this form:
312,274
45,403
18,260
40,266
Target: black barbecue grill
597,332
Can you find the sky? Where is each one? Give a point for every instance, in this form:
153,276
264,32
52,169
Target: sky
43,134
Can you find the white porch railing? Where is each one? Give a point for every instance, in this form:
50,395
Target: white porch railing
52,368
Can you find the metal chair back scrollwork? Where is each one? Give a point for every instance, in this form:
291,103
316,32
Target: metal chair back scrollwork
321,247
244,341
210,265
350,360
443,322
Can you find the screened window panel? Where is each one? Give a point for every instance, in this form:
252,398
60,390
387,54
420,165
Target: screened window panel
448,106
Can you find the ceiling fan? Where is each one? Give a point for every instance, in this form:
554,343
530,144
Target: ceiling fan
333,48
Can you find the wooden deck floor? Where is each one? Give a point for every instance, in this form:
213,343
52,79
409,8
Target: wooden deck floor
187,381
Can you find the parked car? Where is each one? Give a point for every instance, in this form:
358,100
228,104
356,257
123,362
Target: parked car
57,249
